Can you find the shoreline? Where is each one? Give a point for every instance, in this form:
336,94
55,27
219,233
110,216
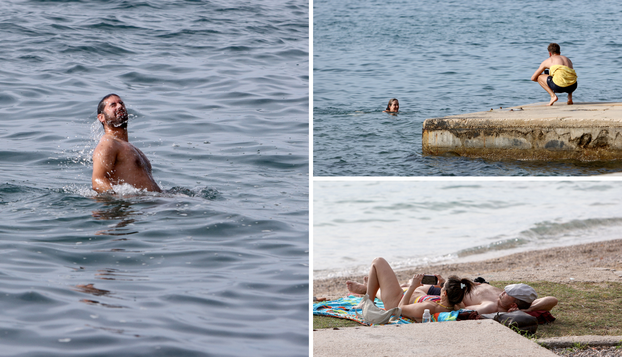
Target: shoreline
589,262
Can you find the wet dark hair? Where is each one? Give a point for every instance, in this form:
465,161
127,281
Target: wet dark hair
391,101
457,289
102,105
554,48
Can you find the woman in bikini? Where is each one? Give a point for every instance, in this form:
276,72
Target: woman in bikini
382,280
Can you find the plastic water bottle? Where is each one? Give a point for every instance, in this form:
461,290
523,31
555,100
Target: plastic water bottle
426,316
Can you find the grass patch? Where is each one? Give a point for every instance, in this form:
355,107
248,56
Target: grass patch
583,309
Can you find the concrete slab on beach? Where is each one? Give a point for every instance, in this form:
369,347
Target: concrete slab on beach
460,338
583,131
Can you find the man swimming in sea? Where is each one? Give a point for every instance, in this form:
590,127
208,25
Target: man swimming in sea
115,160
561,77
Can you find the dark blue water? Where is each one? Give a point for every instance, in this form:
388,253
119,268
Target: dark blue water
446,58
217,93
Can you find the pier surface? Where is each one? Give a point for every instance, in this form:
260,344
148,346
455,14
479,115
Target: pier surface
583,131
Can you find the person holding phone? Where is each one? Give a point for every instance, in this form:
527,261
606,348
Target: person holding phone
483,298
382,280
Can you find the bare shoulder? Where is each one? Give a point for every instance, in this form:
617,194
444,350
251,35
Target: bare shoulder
107,146
568,61
546,63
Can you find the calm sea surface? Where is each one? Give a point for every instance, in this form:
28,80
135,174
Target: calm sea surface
424,222
217,93
445,58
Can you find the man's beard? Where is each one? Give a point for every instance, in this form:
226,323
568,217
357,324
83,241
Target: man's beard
121,122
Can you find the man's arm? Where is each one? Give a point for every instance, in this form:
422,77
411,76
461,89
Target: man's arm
104,159
546,303
544,65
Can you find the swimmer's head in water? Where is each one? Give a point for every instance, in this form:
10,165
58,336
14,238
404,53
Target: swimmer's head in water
111,110
393,106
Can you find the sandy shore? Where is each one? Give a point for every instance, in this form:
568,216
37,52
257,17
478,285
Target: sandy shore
593,262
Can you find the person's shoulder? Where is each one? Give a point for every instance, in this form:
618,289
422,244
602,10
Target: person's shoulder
546,62
107,144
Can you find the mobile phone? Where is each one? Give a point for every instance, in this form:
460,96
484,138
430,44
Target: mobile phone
429,280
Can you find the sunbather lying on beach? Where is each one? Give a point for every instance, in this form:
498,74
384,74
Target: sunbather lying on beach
484,298
382,278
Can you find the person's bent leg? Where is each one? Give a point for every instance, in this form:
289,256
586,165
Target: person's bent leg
381,276
542,80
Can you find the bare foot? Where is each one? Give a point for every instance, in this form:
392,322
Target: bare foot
553,100
356,288
570,102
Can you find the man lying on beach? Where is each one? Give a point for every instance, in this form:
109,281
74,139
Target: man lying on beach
483,298
115,160
561,77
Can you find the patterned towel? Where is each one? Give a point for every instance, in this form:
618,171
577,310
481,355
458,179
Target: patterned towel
345,308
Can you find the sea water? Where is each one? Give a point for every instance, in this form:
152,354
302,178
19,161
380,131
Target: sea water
417,223
446,58
217,94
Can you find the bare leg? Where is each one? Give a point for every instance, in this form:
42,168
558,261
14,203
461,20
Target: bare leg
381,276
570,99
542,81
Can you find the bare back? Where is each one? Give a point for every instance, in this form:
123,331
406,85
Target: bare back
551,61
116,162
482,293
559,60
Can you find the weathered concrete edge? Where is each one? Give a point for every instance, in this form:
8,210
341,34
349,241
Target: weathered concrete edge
539,145
471,122
588,340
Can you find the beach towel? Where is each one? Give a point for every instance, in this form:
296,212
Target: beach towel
345,308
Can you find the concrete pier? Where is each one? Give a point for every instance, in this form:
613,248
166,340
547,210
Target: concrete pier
583,131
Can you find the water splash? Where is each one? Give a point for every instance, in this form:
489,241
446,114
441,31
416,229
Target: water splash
203,192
